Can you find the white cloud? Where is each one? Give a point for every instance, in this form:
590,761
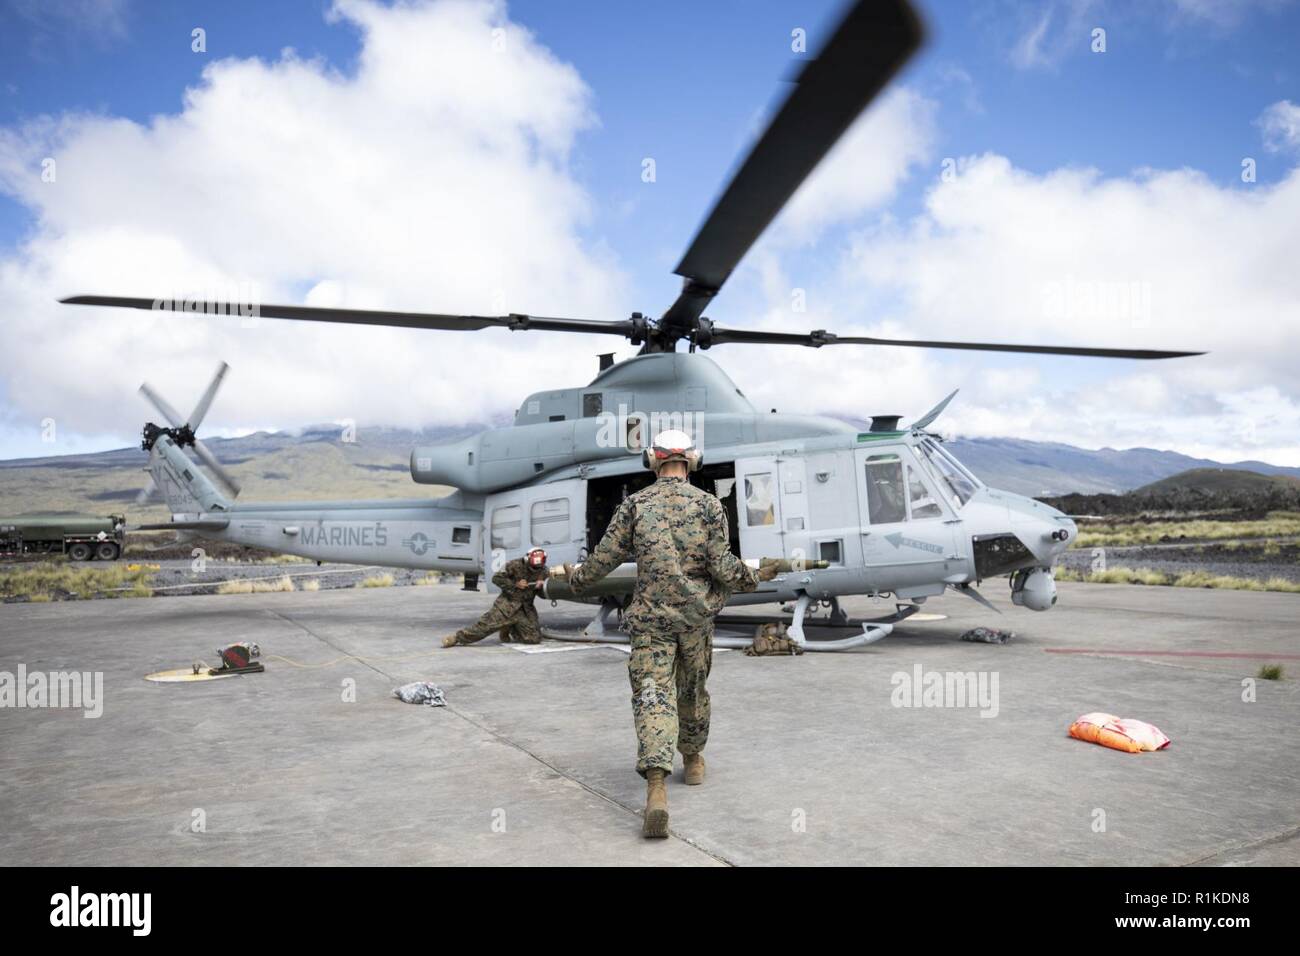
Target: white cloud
1280,127
435,177
1044,34
1047,33
864,170
1160,259
1028,51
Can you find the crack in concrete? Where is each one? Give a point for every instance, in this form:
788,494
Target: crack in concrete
1280,836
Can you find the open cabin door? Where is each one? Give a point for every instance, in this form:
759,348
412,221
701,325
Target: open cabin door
550,516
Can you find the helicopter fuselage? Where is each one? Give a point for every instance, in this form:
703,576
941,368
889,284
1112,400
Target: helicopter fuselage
892,511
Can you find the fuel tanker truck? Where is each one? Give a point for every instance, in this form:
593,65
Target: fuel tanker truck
80,537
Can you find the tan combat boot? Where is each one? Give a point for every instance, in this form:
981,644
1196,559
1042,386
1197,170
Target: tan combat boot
694,769
656,805
450,641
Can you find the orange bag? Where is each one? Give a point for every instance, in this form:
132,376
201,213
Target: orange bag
1129,735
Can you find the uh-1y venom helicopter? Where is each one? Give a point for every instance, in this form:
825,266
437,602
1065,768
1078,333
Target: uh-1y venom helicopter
888,510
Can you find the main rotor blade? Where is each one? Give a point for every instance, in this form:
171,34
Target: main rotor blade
201,409
720,336
874,40
157,401
400,320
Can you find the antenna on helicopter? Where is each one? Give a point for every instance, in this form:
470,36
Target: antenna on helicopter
920,424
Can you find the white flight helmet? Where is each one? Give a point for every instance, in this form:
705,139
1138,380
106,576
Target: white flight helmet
672,445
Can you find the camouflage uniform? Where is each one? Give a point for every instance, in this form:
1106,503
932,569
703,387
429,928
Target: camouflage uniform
513,609
677,535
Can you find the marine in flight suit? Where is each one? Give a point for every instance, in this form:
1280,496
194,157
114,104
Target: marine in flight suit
512,613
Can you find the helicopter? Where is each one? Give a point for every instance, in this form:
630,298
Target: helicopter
881,511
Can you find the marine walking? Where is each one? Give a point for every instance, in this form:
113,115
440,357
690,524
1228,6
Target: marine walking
677,535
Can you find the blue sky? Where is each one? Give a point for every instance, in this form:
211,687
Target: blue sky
1182,85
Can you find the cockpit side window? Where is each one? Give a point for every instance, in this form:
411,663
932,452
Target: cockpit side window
919,498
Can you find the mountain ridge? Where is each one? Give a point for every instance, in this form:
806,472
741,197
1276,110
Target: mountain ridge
380,452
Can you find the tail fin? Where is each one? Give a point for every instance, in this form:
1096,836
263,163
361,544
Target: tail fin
186,489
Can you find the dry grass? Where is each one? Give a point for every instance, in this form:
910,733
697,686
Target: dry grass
433,577
1188,579
377,581
47,580
312,585
1108,534
273,585
1114,576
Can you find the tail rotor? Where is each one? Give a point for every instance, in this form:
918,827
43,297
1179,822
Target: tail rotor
187,429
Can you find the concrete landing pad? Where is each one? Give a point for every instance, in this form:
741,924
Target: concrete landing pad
811,760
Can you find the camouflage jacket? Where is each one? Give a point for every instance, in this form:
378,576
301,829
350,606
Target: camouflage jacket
677,535
513,572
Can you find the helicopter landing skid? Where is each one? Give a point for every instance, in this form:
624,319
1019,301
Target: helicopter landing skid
604,627
835,616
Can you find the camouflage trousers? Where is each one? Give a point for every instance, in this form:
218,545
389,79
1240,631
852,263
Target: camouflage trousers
520,620
670,703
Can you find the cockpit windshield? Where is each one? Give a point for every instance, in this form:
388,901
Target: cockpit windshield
948,472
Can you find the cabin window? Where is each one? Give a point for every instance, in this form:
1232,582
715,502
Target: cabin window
885,502
460,535
831,551
922,502
505,527
760,508
550,521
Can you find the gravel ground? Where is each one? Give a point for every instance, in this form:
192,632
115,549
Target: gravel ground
1252,560
177,577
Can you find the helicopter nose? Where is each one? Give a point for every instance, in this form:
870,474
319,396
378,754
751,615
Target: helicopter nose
1046,530
1059,533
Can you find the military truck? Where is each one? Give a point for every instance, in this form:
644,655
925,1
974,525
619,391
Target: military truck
80,537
